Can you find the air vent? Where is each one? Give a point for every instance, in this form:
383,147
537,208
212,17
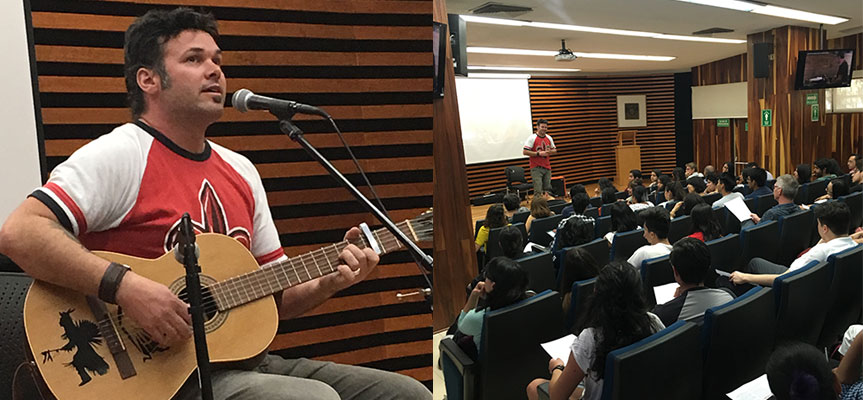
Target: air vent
711,31
498,8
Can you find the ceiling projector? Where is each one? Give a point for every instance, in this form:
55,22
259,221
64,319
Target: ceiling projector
564,54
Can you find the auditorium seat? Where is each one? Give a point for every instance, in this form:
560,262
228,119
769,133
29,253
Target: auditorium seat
625,243
605,210
759,241
737,338
539,229
581,291
770,183
540,271
621,195
601,226
476,226
592,212
520,217
515,180
802,194
712,197
679,228
597,248
557,206
723,256
655,272
596,201
844,298
14,350
511,337
855,203
751,204
764,203
801,303
816,190
665,365
730,223
795,232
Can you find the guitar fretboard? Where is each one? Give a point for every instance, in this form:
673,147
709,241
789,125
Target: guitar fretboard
293,271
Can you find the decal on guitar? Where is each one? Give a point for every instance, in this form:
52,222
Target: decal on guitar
81,336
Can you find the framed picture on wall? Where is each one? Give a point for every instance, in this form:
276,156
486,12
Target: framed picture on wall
631,111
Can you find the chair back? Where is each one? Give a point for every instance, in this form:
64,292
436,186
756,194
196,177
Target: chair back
558,206
492,247
737,338
598,249
14,349
539,229
770,183
514,174
679,228
730,224
764,203
596,201
655,272
816,190
723,256
759,241
751,204
605,210
855,203
802,194
591,212
625,243
511,337
844,300
621,195
477,225
712,197
800,308
795,232
581,291
642,369
601,226
520,217
540,271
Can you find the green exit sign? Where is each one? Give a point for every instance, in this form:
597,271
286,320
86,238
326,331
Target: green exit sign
767,117
811,98
723,122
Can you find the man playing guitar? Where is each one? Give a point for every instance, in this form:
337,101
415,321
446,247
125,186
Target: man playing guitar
126,191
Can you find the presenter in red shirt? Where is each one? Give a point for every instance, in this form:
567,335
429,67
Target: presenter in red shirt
539,146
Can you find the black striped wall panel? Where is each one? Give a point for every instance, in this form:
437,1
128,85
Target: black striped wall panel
368,63
582,115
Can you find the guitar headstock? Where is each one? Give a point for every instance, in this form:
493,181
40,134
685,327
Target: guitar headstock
423,226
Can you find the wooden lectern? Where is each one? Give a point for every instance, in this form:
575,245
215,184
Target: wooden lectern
627,156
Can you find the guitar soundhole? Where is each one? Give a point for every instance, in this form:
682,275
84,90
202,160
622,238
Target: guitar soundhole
213,318
209,304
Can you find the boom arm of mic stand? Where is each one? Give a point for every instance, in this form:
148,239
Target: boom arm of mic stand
424,260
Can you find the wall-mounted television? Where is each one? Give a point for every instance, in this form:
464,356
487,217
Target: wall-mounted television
439,42
819,69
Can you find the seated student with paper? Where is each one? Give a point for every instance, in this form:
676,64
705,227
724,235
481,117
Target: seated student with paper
656,223
690,260
784,191
616,317
755,179
833,221
800,371
725,187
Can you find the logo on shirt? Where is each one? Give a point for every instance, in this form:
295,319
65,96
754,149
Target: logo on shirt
213,220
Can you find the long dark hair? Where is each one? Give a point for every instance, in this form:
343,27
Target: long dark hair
616,311
494,217
578,265
689,202
678,175
510,283
511,242
676,190
804,173
622,218
704,221
575,231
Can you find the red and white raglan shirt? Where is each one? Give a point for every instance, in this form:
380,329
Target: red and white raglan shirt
126,191
536,143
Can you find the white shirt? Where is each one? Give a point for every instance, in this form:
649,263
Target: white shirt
648,252
728,197
822,250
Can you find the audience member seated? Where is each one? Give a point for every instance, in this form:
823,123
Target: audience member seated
616,317
494,218
656,222
622,220
857,178
803,173
690,260
608,196
659,195
705,227
538,209
578,265
755,178
710,182
603,183
575,232
801,371
728,168
632,185
505,283
836,188
580,201
833,220
852,164
825,169
726,187
512,243
691,171
512,205
696,185
654,179
674,193
677,174
708,169
784,191
573,191
685,207
634,173
638,200
753,164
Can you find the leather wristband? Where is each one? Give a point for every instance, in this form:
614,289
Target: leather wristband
556,367
111,281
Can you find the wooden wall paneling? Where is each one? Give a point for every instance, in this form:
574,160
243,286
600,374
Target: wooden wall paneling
369,63
582,115
455,260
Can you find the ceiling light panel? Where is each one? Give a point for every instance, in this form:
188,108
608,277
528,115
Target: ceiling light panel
505,68
549,53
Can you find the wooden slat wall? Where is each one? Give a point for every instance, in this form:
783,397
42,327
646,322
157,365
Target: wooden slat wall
712,144
582,115
367,62
793,138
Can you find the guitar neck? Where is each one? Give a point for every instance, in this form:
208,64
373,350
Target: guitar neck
293,271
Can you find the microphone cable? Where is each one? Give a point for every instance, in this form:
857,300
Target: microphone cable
359,168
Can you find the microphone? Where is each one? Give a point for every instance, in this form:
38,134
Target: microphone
178,253
244,100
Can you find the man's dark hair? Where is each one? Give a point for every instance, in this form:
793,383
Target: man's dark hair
608,195
541,121
574,232
577,188
580,202
834,167
691,258
712,178
636,173
511,202
828,166
751,164
656,220
511,242
798,371
728,181
144,46
758,175
622,218
639,194
664,180
697,184
677,174
835,215
859,163
689,202
838,188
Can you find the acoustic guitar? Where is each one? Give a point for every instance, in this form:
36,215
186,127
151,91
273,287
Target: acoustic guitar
87,349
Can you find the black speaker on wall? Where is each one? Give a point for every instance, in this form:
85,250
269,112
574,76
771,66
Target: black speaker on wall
761,56
458,41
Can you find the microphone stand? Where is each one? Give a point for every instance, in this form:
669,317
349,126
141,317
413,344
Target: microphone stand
196,309
423,260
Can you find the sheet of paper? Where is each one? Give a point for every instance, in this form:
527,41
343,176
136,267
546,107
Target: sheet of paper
757,389
723,273
739,209
559,348
664,293
552,233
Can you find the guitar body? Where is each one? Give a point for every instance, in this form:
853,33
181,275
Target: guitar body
79,363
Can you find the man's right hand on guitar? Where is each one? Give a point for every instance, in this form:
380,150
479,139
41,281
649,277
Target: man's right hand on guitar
155,309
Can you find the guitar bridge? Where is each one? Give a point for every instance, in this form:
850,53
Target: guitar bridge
112,338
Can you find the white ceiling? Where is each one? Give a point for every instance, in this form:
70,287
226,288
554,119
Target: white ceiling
662,16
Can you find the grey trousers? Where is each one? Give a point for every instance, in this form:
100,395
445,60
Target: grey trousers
277,378
761,266
541,180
